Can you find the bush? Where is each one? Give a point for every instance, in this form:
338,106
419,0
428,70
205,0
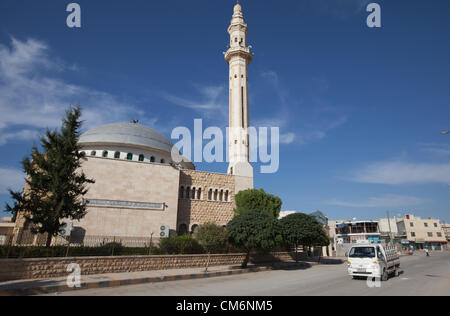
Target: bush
212,237
177,245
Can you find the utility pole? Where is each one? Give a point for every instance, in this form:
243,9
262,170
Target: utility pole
390,230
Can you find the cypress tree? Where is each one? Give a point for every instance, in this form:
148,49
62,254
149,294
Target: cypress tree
55,184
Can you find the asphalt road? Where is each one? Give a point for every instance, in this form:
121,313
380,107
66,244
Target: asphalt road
420,276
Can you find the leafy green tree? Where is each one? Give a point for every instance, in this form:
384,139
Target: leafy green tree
55,184
253,231
302,230
213,238
257,201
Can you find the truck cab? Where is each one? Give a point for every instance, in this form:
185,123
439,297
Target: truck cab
373,260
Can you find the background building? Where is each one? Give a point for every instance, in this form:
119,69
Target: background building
422,233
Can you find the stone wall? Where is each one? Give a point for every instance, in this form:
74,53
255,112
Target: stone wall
200,211
19,269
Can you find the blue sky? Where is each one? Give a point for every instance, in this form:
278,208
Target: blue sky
360,110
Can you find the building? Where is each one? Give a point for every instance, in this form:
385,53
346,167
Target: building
388,229
6,229
141,191
446,229
351,232
422,233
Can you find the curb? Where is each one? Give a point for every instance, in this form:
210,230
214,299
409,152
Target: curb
50,289
115,283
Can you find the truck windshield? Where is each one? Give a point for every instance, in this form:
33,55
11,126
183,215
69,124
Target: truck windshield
362,252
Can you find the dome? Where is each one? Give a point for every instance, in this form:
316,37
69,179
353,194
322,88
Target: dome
128,134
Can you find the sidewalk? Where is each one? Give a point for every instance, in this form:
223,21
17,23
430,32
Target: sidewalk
55,285
58,285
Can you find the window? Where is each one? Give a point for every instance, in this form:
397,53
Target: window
430,234
141,158
93,153
439,234
163,161
152,159
117,155
413,234
210,194
194,229
426,224
411,224
129,156
221,195
199,194
181,192
226,196
105,154
188,190
193,193
435,225
83,153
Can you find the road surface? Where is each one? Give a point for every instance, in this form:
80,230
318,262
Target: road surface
420,276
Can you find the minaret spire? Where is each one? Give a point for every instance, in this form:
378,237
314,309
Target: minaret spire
238,58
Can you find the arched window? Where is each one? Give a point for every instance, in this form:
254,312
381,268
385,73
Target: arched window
188,190
163,161
194,229
210,194
141,158
93,153
83,153
105,154
221,195
152,159
117,155
181,192
193,193
216,193
199,193
226,196
129,156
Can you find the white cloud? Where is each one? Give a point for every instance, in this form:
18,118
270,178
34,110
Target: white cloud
287,138
20,135
398,172
211,103
389,200
32,97
11,179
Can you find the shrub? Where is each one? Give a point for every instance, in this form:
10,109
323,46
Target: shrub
177,245
212,237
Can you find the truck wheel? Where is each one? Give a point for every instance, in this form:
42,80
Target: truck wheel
385,276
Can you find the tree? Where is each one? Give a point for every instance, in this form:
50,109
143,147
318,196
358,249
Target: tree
301,229
55,184
257,200
253,231
213,238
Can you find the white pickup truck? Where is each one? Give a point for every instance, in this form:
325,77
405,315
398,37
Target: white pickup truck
373,260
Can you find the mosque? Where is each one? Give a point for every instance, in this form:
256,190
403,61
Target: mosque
140,191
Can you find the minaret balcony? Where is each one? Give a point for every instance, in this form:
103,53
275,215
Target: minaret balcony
239,51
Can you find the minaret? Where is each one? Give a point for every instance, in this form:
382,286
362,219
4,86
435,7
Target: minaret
238,58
